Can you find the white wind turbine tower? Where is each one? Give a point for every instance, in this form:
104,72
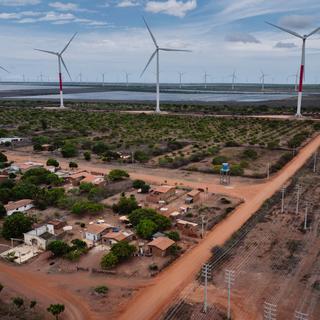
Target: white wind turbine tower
206,76
127,78
103,79
181,74
262,80
303,59
157,54
60,61
234,77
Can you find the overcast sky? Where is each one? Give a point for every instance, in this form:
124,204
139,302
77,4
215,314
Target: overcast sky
224,35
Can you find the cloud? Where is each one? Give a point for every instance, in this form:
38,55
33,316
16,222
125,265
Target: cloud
285,45
64,6
296,21
17,3
241,37
127,4
54,16
171,7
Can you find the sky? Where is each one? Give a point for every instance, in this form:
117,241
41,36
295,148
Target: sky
224,36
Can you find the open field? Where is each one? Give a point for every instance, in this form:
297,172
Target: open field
274,259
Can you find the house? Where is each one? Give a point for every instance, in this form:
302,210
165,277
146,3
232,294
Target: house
86,177
25,166
95,231
47,147
161,193
10,140
95,180
160,246
175,215
18,206
77,177
187,227
111,238
193,196
40,237
57,224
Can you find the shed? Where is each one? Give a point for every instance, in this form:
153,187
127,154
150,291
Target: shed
160,246
95,232
18,206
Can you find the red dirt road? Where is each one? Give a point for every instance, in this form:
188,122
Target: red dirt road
148,303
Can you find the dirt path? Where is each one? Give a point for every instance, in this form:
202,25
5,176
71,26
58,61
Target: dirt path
149,303
152,300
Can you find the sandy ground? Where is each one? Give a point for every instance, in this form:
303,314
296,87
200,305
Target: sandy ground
151,301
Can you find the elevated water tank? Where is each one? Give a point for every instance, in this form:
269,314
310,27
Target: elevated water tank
225,167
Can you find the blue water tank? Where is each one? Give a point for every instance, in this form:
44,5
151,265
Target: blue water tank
225,167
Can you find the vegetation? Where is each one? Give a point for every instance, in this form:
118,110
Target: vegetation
56,310
87,207
101,290
117,175
61,249
16,225
53,163
125,205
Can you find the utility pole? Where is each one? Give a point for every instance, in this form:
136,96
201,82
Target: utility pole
268,171
300,316
206,274
283,191
229,278
315,161
203,222
306,216
298,198
270,311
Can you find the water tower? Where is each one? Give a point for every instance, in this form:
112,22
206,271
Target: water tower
225,174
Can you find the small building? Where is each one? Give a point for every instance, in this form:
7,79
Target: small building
175,215
47,147
57,224
95,231
18,206
25,166
187,227
40,237
111,238
160,246
95,180
77,177
10,140
161,193
193,196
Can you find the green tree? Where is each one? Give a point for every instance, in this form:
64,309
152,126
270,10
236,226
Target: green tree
87,207
3,157
5,195
86,187
16,225
69,150
78,244
3,211
18,302
73,165
24,190
146,228
117,175
123,250
87,155
59,248
125,205
173,235
33,303
56,310
138,184
109,261
53,163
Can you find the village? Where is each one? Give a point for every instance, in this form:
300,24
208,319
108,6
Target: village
102,222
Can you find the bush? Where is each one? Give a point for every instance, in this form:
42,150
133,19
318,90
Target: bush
236,170
138,184
123,250
69,150
3,211
173,235
53,163
141,156
101,290
86,207
109,261
153,267
219,160
250,154
87,155
125,205
282,161
16,225
146,228
73,165
59,248
3,157
298,139
117,175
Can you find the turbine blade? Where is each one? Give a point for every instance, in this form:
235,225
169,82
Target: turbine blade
66,47
313,32
66,68
46,51
152,36
286,30
2,68
174,50
146,67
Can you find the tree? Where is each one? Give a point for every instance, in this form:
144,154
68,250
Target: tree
173,235
117,175
53,163
123,250
3,157
33,303
59,248
16,225
79,244
5,195
125,205
109,261
56,309
84,206
73,165
146,228
18,302
3,211
138,184
86,187
145,188
24,190
69,150
87,155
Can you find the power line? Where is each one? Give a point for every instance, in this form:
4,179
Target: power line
229,279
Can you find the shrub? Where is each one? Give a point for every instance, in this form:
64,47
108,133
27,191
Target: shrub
59,248
109,261
236,170
53,163
250,154
56,309
173,235
101,290
69,150
138,184
16,225
87,155
125,205
86,207
117,175
123,250
3,157
153,267
219,160
73,165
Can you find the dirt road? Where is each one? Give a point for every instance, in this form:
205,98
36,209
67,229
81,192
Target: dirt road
148,303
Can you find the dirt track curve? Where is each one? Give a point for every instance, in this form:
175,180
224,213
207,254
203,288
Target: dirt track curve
148,303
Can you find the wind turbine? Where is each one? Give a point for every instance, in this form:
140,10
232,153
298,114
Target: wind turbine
157,54
103,77
296,76
2,68
234,77
181,74
206,75
262,80
303,59
60,61
127,78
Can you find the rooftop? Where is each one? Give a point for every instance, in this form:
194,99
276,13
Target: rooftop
118,236
193,193
162,243
17,204
98,228
163,189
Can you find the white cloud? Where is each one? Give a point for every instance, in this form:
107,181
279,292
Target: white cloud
64,6
171,7
17,3
127,3
54,16
297,21
285,45
241,37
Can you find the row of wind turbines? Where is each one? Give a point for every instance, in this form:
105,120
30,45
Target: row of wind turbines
156,55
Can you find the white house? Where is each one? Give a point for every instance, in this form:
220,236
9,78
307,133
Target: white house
18,206
40,237
10,140
95,231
